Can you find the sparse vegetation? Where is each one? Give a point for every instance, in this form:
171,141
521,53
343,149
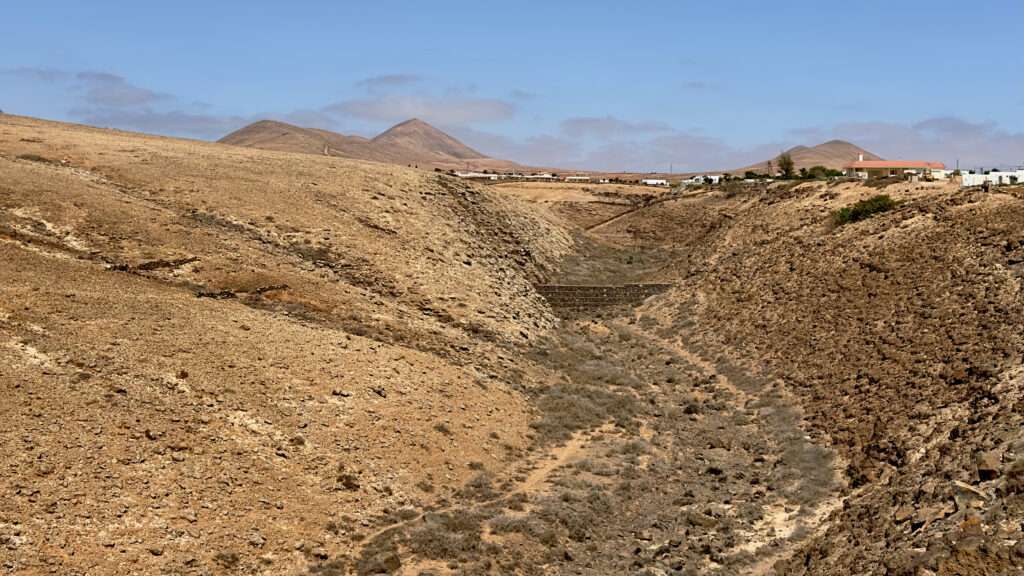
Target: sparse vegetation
568,408
448,536
819,173
227,559
863,209
35,158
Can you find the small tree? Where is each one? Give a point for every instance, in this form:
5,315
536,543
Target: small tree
786,165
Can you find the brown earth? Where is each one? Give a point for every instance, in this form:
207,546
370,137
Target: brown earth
210,354
219,360
900,337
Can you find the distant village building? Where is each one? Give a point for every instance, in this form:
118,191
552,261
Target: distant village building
542,176
995,177
654,182
577,178
476,175
701,179
867,169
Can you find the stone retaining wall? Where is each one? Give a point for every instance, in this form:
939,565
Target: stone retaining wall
580,297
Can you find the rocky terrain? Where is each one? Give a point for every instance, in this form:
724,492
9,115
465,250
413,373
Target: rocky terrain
221,360
211,354
901,339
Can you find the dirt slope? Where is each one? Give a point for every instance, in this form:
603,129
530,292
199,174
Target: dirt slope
210,355
223,360
901,338
410,142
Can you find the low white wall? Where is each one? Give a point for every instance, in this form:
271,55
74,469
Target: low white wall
995,178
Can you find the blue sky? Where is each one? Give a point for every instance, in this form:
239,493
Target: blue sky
599,84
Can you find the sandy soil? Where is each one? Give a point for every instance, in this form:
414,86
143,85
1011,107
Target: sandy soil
217,360
550,192
209,354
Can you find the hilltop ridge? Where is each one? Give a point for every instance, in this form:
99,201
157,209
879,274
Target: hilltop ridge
835,154
410,142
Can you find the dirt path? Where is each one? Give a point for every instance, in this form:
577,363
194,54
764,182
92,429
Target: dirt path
780,520
784,519
700,466
704,466
554,459
544,465
670,197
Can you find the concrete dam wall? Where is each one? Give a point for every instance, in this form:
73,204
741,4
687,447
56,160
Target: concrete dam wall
580,297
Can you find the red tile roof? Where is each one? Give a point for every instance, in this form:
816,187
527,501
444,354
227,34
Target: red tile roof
906,164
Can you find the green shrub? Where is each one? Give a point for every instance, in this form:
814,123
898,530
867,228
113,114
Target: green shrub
863,209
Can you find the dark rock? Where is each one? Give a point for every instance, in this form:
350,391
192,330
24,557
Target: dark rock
988,465
386,562
1014,477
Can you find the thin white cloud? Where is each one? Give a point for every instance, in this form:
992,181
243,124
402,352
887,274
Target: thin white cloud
32,74
599,143
112,91
521,95
173,122
608,126
946,139
697,86
538,150
442,111
387,81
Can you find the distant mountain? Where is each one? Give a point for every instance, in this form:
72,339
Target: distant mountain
836,154
410,142
420,138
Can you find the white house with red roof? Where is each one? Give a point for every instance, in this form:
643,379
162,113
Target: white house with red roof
889,168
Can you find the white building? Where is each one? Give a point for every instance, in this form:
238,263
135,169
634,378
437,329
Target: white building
654,182
702,179
995,178
577,178
476,175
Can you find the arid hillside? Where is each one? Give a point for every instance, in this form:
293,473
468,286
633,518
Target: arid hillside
900,337
210,354
407,143
223,360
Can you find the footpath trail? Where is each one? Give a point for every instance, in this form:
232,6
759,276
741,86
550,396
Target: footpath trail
802,511
652,456
594,228
691,467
